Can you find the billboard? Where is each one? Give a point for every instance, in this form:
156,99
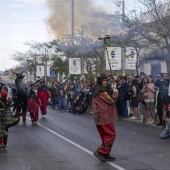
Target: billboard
89,65
131,59
40,71
115,58
74,65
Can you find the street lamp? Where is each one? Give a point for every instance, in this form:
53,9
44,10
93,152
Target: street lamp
47,47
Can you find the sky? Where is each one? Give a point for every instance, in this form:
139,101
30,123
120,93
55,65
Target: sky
24,20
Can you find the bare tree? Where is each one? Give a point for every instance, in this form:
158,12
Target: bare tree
154,26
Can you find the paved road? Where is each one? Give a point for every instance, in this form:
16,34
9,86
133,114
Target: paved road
64,141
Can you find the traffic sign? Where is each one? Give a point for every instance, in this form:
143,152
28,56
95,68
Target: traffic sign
53,74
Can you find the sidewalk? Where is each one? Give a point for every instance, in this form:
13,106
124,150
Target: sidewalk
140,122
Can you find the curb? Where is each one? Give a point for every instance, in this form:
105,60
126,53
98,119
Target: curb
139,122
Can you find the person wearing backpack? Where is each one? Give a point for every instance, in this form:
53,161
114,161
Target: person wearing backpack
162,97
6,118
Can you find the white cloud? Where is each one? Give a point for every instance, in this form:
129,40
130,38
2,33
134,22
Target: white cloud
21,21
32,2
16,6
25,3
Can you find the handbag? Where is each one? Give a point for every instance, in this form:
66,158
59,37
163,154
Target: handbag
145,95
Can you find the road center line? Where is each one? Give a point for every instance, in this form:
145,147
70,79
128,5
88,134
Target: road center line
77,145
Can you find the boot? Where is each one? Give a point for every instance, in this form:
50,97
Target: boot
100,156
110,158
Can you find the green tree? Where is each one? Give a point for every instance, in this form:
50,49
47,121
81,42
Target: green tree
60,65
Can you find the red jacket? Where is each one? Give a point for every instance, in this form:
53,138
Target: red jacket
43,93
104,109
33,105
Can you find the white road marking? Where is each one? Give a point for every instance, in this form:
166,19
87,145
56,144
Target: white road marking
78,146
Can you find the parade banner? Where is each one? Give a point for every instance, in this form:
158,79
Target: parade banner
88,64
115,58
30,76
131,59
40,71
74,65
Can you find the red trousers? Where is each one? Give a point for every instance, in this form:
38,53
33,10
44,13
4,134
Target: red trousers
107,134
34,116
1,140
43,107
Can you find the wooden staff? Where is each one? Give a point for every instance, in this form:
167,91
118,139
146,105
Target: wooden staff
107,53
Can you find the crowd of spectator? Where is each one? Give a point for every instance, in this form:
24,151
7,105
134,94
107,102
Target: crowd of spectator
138,96
149,100
76,97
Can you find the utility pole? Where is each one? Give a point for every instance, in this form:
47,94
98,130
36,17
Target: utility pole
72,22
35,61
45,66
123,46
82,59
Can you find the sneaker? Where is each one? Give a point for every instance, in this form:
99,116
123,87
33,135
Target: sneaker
150,122
34,123
110,158
91,112
133,118
4,147
141,117
100,156
43,116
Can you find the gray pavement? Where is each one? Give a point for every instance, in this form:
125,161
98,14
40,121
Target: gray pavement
140,122
66,141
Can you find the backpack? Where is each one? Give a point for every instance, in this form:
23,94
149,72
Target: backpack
7,116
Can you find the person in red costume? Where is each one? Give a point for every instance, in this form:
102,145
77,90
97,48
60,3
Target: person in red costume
43,94
103,102
33,104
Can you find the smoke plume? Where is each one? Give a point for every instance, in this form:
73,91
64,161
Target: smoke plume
60,16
